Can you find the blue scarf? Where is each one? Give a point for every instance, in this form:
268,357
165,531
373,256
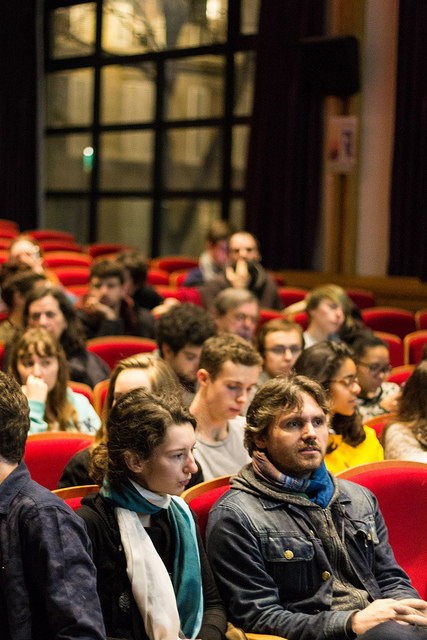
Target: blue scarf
319,488
186,578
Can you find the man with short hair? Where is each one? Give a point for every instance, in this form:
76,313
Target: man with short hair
297,552
229,367
279,341
214,259
47,578
106,310
245,271
180,334
237,311
135,271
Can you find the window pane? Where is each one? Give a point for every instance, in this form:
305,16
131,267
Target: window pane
73,31
127,221
184,225
244,83
239,156
128,94
68,214
66,166
140,26
249,16
126,160
237,214
193,158
69,99
196,88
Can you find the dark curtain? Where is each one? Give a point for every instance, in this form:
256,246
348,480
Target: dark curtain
408,207
285,149
18,109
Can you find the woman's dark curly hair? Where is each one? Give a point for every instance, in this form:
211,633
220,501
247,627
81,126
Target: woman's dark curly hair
137,423
321,362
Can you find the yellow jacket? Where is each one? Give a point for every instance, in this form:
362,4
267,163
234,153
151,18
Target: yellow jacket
344,456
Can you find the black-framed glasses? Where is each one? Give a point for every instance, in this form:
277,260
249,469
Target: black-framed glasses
375,368
280,349
348,381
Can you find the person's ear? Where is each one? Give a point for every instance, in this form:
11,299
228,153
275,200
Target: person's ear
260,441
203,377
167,352
134,462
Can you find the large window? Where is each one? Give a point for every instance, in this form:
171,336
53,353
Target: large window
147,118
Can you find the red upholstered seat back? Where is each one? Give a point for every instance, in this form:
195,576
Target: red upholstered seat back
402,496
46,454
203,503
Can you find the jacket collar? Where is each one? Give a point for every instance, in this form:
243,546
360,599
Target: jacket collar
12,485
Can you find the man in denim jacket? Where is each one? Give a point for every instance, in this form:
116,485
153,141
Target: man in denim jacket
47,578
296,552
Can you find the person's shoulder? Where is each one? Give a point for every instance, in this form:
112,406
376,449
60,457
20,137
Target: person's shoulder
239,422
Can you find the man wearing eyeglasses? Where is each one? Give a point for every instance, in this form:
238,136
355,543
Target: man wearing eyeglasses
279,342
297,552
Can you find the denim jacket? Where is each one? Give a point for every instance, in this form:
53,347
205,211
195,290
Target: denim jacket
271,566
47,577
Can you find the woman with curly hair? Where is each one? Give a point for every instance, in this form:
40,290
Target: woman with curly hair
405,436
154,580
350,442
38,363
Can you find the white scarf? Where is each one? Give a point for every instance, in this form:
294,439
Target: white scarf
150,582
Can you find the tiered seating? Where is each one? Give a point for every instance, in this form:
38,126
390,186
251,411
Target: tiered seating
114,348
389,319
395,347
173,263
413,344
54,259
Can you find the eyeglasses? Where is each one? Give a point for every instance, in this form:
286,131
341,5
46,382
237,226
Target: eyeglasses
376,368
281,349
242,317
348,381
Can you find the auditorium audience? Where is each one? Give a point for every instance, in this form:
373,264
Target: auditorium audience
38,363
154,579
350,442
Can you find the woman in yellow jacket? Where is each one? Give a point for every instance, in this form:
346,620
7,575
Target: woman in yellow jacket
350,442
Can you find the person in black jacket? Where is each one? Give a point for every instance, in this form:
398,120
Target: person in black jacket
153,573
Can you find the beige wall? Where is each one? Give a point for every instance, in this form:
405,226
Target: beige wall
355,217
